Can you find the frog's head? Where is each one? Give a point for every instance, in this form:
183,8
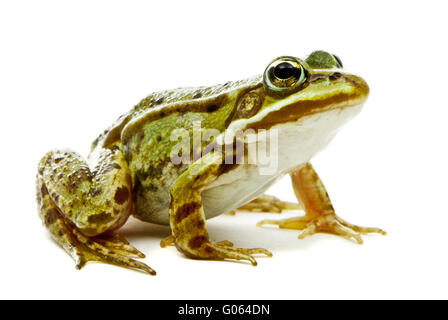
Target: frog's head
294,89
305,102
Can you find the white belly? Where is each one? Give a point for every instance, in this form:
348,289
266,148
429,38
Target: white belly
297,144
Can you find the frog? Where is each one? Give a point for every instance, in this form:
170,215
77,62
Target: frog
138,167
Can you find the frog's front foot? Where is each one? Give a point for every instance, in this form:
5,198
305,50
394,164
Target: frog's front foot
324,223
200,248
225,250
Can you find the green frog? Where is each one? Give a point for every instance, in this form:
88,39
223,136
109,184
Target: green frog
182,156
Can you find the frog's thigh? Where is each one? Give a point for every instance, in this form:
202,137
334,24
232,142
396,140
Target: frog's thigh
80,207
187,218
268,203
319,213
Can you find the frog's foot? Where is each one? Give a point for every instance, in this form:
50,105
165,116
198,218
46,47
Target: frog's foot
319,212
112,249
324,223
170,241
118,243
223,250
199,248
268,203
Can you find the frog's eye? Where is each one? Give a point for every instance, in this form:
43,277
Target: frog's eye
323,60
284,76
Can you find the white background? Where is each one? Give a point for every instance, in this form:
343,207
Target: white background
68,69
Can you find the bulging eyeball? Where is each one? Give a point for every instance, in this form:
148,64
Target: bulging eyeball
339,62
323,60
284,76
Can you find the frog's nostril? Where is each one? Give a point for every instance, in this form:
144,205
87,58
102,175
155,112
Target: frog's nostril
335,75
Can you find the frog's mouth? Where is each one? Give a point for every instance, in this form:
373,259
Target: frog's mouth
324,93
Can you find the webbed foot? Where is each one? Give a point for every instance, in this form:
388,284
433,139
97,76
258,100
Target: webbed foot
319,212
329,223
111,249
225,250
268,203
221,250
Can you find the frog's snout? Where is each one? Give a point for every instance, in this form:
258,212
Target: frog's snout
358,84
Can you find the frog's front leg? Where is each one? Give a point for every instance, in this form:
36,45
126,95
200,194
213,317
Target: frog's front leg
187,219
320,215
81,207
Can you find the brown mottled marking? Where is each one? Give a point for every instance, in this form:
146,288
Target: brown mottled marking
43,190
121,195
200,224
51,215
185,210
209,249
99,218
335,75
212,108
197,242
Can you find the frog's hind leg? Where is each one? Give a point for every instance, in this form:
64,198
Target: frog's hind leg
319,213
268,203
81,208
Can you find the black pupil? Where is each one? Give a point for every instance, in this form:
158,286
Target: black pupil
284,70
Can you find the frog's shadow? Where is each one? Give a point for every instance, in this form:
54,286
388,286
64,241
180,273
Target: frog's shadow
242,235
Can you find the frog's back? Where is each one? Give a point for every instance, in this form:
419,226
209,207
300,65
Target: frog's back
145,136
155,105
